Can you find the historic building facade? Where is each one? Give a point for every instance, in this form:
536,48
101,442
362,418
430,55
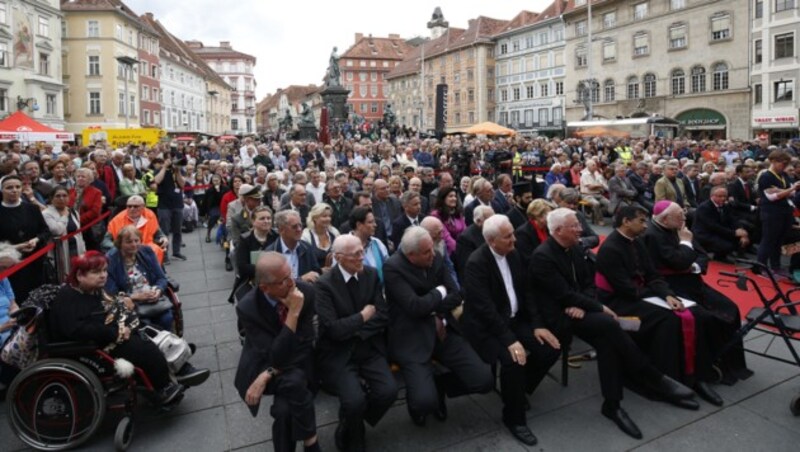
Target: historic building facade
680,58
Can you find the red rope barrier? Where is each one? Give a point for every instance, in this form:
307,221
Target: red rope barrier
39,253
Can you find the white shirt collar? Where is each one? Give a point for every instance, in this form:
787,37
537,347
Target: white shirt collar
347,275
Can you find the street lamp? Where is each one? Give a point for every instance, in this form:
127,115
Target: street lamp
128,62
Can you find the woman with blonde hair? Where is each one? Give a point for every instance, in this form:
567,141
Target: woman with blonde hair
534,232
319,232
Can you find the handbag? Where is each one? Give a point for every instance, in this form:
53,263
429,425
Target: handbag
150,310
22,347
175,349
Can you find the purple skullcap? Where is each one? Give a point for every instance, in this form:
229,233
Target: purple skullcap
660,207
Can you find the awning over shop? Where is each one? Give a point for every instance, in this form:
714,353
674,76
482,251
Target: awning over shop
702,119
19,126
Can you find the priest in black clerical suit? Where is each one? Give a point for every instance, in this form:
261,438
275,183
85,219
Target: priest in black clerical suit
496,322
470,240
562,298
353,317
421,295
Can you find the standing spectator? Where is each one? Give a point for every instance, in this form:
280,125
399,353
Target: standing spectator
63,220
88,203
170,205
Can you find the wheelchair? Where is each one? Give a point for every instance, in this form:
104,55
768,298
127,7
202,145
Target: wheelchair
60,400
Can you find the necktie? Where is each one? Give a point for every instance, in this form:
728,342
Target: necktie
441,329
747,191
283,311
414,222
352,287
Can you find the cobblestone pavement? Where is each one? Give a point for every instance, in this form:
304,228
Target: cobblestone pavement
212,417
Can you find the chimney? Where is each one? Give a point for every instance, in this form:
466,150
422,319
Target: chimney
149,16
358,37
394,36
225,44
193,44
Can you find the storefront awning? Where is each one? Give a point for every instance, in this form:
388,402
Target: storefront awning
701,119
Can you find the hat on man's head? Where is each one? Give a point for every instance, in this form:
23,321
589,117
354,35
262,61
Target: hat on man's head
661,206
522,187
249,191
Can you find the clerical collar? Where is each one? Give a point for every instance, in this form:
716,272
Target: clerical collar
16,204
347,275
629,238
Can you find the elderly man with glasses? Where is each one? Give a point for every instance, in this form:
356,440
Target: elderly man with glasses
145,221
299,254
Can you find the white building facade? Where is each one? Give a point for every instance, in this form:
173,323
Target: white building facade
183,97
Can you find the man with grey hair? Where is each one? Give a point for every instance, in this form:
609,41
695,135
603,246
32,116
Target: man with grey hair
496,321
435,227
277,356
562,299
301,257
483,197
411,202
353,317
471,239
297,201
421,296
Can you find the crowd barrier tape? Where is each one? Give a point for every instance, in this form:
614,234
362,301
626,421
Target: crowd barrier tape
47,248
196,187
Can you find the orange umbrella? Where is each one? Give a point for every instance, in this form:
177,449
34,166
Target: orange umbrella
489,128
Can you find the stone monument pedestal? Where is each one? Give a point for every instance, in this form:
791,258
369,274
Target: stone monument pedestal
307,132
335,98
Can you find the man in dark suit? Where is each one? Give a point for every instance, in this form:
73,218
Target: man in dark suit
386,208
421,295
562,298
277,357
340,204
412,204
523,195
716,227
483,197
353,317
497,324
471,239
689,174
502,196
299,253
296,202
742,198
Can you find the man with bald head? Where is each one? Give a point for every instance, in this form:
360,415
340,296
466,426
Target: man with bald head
421,295
353,317
277,356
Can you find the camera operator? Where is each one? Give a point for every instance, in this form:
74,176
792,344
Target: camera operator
170,183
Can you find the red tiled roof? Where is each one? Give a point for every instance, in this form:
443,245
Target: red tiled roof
221,53
106,5
554,10
294,94
570,7
524,18
369,47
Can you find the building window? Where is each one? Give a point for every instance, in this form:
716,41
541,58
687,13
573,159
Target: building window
4,61
757,94
677,36
784,45
94,65
3,100
640,11
94,103
528,118
609,51
698,79
720,77
641,44
373,90
677,4
44,64
633,87
503,49
783,5
758,52
470,75
515,92
559,88
784,90
542,116
609,91
145,93
758,9
609,19
373,76
580,28
457,118
678,82
529,92
649,81
514,48
50,104
557,115
121,102
362,91
3,16
93,29
234,124
44,26
156,118
471,96
457,98
362,76
720,27
503,95
544,89
146,117
580,57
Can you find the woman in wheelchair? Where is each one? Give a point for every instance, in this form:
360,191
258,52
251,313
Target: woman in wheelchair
83,312
9,256
133,269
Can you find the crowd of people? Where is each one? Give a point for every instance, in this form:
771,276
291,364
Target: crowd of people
362,258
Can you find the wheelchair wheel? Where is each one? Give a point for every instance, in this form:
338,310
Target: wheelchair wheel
123,435
794,407
55,404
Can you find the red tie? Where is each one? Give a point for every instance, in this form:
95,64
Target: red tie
283,311
441,329
747,190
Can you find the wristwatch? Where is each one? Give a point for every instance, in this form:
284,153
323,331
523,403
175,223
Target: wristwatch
271,372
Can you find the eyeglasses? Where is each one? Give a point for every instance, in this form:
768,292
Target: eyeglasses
135,206
295,226
359,254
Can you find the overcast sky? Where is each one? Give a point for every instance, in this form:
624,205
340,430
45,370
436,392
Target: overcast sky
292,40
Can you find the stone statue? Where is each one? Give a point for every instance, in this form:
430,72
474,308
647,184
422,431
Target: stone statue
287,122
388,115
307,116
334,74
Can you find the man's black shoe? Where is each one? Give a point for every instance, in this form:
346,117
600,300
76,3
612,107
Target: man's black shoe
339,436
709,395
169,393
523,433
441,411
623,421
668,388
418,420
192,376
228,265
689,404
179,256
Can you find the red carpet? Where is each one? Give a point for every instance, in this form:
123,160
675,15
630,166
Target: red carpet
744,299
